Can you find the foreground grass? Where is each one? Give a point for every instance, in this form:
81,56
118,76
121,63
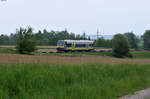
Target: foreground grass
93,81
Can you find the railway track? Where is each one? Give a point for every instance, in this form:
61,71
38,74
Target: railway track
55,51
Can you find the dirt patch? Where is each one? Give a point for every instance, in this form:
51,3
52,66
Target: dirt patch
46,47
15,58
47,50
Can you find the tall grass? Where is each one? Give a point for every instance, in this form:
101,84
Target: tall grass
92,81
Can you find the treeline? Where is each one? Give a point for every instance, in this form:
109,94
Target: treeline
133,41
122,43
44,37
50,38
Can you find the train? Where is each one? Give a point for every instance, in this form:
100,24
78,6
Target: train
75,45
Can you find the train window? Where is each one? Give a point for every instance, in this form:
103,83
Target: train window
80,45
60,43
91,45
68,45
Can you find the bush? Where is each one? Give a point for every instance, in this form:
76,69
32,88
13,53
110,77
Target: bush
120,46
25,43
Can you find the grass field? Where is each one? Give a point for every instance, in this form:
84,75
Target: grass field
92,81
71,75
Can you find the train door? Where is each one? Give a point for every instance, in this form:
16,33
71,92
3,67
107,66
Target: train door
73,46
87,46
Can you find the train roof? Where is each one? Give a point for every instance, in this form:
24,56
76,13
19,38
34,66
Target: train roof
78,41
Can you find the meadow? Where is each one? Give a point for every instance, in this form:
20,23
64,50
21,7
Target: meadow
71,75
90,81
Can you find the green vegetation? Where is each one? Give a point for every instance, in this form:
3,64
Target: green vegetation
120,46
43,37
93,81
25,42
141,54
141,44
101,42
132,39
50,38
146,38
7,50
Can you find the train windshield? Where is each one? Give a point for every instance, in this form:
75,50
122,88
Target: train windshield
91,45
60,43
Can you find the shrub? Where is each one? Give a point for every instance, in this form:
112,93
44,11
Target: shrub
120,46
25,43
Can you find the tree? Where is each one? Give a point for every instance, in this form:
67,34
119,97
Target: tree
12,39
146,39
132,39
120,46
84,36
78,37
4,40
72,36
44,37
101,42
38,36
25,42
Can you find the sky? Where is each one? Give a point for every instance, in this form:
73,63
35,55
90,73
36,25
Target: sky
77,16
